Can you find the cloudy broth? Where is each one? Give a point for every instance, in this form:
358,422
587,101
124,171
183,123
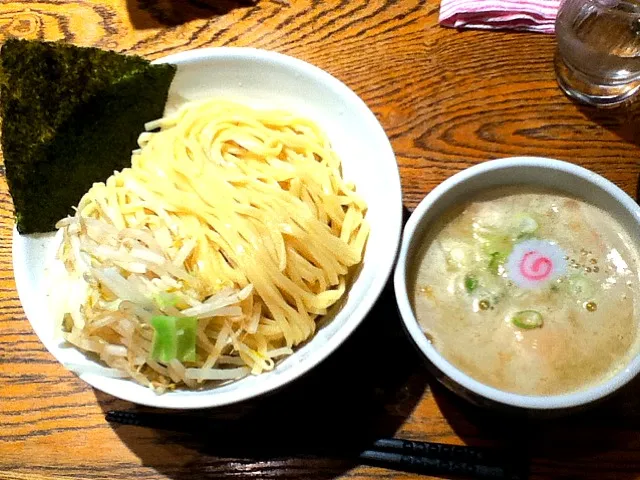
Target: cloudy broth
529,291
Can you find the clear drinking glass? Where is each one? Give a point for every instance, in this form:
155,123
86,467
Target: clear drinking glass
598,56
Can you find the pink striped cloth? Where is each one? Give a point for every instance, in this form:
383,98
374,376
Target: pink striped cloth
529,15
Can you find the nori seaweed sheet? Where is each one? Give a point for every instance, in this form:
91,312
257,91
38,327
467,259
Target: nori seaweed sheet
70,117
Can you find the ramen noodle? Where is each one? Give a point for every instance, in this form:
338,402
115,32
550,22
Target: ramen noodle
213,255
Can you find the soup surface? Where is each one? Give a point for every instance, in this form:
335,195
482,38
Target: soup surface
528,291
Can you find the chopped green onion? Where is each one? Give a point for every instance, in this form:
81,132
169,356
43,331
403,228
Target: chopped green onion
470,283
457,254
527,224
527,319
187,331
496,260
495,242
163,346
174,338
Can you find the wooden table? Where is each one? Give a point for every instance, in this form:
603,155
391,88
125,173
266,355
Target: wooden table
447,100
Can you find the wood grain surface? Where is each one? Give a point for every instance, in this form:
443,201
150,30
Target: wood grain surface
447,100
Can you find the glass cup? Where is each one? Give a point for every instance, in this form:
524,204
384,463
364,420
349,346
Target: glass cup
598,55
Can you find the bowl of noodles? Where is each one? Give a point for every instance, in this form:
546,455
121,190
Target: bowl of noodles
255,229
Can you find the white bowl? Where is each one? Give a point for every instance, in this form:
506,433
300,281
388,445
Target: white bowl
259,78
545,172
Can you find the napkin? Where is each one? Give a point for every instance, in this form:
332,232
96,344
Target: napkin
528,15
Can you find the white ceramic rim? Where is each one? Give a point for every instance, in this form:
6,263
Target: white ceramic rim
411,323
384,265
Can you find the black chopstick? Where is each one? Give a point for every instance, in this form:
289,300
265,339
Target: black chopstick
426,458
429,465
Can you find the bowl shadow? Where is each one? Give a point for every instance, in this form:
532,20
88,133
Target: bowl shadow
146,14
597,442
309,429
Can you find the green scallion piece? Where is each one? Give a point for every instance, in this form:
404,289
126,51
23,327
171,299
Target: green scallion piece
527,319
527,224
174,338
496,260
470,283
